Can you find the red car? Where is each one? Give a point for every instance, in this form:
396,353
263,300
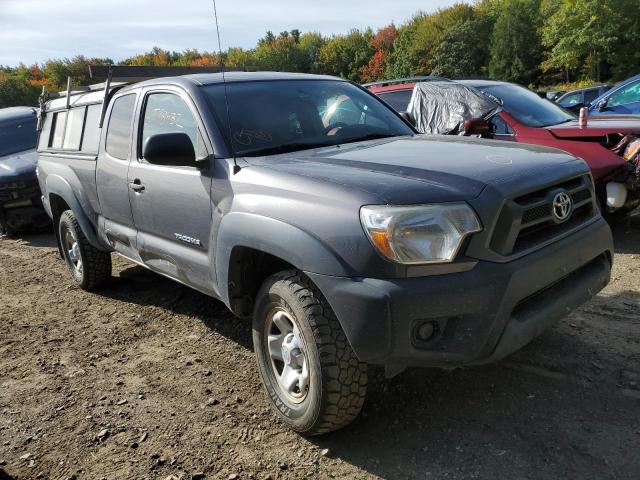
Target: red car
524,117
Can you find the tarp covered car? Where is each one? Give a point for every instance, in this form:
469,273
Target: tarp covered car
444,107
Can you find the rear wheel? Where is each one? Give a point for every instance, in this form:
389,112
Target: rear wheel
312,376
90,267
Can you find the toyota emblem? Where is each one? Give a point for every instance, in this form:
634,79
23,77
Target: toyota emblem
562,206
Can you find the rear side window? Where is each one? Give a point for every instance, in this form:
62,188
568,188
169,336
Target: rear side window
119,129
45,134
73,132
398,100
75,129
57,135
91,138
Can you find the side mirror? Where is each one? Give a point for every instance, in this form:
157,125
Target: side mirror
174,149
602,104
477,126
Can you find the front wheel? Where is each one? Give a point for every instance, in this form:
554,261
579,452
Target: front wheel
90,268
311,374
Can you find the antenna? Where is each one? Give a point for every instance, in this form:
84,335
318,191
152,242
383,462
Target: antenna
236,167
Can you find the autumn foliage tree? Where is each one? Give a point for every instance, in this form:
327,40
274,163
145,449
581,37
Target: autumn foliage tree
346,55
382,42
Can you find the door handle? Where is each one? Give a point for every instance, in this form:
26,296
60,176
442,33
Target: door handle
136,185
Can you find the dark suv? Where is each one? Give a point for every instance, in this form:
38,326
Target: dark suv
306,203
20,197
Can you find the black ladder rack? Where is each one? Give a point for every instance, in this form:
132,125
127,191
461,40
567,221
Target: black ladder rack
120,75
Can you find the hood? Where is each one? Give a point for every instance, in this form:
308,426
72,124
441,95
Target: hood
597,126
426,168
18,165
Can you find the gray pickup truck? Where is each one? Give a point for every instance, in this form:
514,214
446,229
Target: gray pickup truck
307,204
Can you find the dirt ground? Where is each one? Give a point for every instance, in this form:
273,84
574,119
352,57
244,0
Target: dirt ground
148,379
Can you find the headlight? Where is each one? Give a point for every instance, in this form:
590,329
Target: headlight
420,233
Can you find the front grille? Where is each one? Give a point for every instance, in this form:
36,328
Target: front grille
21,190
535,213
528,220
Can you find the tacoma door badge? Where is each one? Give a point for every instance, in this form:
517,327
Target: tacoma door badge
187,239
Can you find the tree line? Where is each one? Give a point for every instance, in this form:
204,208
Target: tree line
531,42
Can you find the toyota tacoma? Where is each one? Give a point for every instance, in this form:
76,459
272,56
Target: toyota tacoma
310,206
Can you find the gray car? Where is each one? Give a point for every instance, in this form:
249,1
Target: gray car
307,204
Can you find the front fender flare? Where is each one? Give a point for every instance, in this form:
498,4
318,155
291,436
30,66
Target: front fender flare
57,185
301,249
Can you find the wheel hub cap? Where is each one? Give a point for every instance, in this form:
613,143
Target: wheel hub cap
286,353
288,356
72,247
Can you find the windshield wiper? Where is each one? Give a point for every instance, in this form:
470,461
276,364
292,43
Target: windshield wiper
369,136
283,148
296,146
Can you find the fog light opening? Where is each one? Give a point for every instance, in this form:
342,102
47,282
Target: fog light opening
426,331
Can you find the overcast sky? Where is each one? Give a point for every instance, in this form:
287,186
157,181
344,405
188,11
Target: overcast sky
37,30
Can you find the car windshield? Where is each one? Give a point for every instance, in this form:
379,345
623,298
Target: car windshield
268,117
527,107
17,135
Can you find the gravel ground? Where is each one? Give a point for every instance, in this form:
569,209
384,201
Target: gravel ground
148,379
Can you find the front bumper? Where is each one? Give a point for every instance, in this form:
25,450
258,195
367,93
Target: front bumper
24,217
481,315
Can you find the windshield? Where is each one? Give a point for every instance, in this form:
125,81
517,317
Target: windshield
527,107
270,117
18,135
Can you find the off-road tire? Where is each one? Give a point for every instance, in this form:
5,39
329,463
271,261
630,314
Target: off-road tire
338,380
96,264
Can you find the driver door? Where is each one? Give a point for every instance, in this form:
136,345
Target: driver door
171,205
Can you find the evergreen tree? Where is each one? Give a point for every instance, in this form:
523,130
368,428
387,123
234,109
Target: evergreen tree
515,44
462,51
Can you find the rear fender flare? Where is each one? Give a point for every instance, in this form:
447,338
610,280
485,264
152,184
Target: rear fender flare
59,186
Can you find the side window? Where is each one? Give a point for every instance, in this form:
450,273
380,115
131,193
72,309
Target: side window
591,95
628,94
168,113
399,99
45,133
73,132
499,126
57,129
91,138
119,129
572,99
